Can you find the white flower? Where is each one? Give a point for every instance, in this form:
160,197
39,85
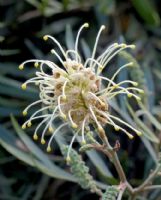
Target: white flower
74,91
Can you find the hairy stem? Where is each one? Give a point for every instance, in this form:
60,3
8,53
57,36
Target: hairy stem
115,160
110,152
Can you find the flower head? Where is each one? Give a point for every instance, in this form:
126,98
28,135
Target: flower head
74,91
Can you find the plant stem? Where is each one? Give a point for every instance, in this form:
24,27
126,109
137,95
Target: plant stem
118,167
120,194
152,187
147,181
110,152
112,155
115,160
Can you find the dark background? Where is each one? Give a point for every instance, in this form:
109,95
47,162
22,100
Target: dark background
22,26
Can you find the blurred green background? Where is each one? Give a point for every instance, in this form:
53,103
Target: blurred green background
22,26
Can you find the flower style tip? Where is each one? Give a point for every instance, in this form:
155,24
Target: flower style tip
131,64
74,125
135,84
102,135
29,124
86,25
35,136
51,129
24,113
116,128
36,64
75,92
132,46
63,116
83,142
45,37
23,86
130,136
48,149
43,141
21,67
24,126
68,159
139,133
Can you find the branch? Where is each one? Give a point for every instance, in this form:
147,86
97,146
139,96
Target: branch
148,180
110,152
152,187
120,194
115,160
122,188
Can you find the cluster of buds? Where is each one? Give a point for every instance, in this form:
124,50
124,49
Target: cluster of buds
74,92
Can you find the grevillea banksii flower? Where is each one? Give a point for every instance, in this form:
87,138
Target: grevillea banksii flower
74,91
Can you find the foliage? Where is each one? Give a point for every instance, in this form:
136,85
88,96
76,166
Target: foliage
110,193
22,25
